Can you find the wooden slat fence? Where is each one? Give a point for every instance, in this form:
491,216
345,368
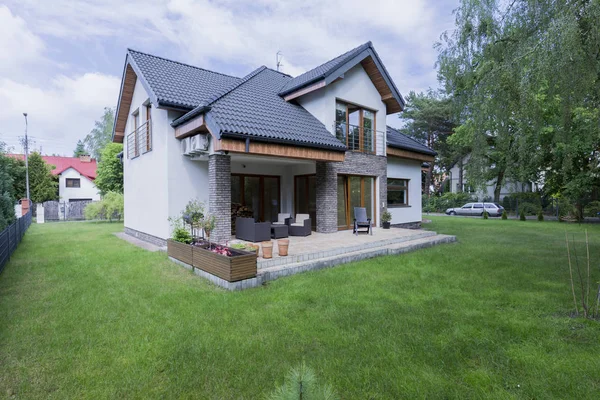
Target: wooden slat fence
11,237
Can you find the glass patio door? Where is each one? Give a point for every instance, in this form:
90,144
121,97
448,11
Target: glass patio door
353,191
305,197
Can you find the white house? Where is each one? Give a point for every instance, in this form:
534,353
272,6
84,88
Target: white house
509,187
76,176
315,144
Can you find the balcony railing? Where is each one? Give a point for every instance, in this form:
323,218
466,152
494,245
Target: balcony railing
140,140
356,138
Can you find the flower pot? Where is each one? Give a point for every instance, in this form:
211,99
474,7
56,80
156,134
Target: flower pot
267,248
386,225
283,245
253,248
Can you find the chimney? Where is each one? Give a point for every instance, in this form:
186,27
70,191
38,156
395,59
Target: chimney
85,158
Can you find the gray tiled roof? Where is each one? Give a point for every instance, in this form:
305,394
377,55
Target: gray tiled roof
322,70
400,141
254,109
177,84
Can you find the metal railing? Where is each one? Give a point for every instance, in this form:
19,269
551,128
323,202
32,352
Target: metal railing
356,138
140,140
11,237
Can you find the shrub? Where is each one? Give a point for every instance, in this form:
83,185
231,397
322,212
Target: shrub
386,216
180,234
540,216
504,214
485,214
592,209
529,208
522,216
111,207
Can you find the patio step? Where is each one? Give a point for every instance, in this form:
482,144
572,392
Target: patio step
424,241
317,255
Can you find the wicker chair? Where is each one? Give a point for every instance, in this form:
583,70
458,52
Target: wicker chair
251,231
300,226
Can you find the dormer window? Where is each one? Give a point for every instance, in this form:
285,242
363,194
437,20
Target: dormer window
355,127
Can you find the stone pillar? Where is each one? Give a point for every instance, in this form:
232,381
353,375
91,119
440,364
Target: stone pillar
382,205
219,197
326,197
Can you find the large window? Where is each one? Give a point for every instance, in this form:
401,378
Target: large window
73,183
354,191
397,192
355,127
258,194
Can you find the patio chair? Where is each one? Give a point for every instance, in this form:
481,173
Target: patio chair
249,230
282,219
361,220
300,226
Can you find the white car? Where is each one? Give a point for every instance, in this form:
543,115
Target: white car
476,209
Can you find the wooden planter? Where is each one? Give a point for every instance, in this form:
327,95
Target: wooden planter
180,251
241,265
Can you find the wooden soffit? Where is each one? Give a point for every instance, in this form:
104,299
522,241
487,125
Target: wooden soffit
191,127
381,85
128,86
279,150
411,155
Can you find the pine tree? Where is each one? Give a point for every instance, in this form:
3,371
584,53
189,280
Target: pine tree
79,149
43,186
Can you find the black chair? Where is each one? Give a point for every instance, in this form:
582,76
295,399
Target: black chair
361,220
300,226
250,231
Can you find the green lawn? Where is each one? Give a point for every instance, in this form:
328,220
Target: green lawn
86,315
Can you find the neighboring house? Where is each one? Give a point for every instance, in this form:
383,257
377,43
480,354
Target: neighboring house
507,189
315,144
76,177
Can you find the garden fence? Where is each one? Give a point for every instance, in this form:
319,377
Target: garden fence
11,237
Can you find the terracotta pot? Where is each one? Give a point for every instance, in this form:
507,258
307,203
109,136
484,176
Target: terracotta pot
283,246
267,248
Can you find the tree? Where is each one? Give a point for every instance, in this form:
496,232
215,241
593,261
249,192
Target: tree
7,195
525,77
79,149
101,135
428,118
43,186
109,177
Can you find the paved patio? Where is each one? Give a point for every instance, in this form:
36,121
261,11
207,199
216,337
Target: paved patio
322,245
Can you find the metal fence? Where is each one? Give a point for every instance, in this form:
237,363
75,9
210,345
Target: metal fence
11,237
65,211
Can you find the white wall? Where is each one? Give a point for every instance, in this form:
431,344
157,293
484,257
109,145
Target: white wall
145,177
87,189
401,168
357,88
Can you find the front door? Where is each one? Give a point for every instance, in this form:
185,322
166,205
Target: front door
354,191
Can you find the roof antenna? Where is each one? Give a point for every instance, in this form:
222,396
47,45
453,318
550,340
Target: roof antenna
278,58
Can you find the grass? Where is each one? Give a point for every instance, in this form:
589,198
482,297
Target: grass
86,315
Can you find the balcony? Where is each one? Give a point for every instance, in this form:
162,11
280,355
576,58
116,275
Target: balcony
357,138
140,140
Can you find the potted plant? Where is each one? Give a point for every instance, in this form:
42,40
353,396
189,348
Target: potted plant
386,218
179,245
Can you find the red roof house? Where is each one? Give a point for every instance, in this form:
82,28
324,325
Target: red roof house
84,165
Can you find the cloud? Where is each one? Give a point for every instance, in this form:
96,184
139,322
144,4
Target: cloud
19,46
59,114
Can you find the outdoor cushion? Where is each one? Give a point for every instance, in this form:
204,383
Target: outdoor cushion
281,219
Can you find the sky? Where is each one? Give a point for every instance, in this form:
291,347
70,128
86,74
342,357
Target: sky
61,61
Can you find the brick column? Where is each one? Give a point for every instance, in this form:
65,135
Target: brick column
219,197
326,197
382,195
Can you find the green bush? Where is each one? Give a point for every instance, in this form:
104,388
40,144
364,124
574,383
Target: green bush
111,207
180,234
529,208
522,216
485,215
540,216
504,214
592,209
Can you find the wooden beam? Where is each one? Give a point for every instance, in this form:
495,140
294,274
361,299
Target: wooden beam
125,103
280,150
305,90
411,155
382,87
190,127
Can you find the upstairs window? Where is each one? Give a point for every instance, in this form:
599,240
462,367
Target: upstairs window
355,127
73,182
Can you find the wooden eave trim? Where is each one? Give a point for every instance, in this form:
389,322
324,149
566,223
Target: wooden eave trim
411,155
190,127
280,150
305,90
126,96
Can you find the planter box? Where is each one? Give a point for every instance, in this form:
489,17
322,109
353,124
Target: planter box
180,251
241,265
